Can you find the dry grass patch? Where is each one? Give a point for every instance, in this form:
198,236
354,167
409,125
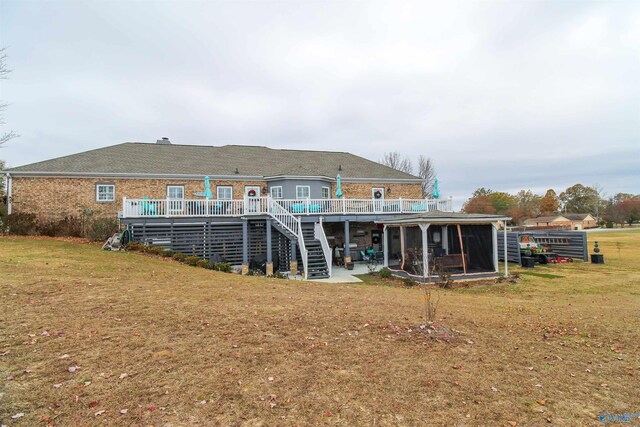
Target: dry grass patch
205,348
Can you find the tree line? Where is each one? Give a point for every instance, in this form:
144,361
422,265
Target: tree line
623,208
424,169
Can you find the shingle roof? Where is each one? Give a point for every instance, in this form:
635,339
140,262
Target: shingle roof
173,159
435,217
547,218
576,216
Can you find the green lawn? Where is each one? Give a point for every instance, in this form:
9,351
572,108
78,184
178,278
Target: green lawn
206,348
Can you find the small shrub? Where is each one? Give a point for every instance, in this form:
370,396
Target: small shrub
23,224
445,284
102,228
385,273
444,278
408,282
255,272
191,260
204,263
155,250
167,253
278,275
70,226
179,257
133,246
225,267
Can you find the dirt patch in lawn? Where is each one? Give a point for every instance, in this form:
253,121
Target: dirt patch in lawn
103,338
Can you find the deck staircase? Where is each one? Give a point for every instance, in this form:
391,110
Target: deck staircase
315,253
317,267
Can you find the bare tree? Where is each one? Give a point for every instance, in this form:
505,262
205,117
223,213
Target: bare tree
427,172
4,74
397,161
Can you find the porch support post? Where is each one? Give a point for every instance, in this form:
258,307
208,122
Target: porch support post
269,250
293,262
445,238
494,235
347,250
385,247
9,193
425,250
506,257
245,246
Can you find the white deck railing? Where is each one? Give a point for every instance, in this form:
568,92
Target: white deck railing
154,208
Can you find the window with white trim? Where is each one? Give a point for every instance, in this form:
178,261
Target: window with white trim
325,192
105,192
175,191
224,192
276,192
303,191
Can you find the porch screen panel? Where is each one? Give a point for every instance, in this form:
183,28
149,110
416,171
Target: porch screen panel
395,250
478,245
413,250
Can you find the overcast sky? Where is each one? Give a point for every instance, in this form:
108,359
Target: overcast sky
505,95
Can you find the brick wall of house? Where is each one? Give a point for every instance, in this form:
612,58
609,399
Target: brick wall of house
360,190
56,198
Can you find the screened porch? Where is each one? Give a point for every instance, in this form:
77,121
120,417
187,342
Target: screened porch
426,246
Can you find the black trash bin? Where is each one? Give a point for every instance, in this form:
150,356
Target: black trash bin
528,262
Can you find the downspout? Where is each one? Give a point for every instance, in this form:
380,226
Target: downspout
9,193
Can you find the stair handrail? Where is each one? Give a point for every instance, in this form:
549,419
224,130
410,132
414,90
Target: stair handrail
285,218
319,234
292,224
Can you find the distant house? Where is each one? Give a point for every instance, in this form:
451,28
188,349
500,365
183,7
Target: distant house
581,221
564,221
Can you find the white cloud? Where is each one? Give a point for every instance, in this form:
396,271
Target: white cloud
481,87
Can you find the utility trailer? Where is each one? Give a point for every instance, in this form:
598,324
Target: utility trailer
530,247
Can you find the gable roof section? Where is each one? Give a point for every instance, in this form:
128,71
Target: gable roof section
553,218
578,216
135,158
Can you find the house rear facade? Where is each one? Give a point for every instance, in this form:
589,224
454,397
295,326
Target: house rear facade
286,209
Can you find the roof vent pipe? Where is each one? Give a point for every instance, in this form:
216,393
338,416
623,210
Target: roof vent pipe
164,141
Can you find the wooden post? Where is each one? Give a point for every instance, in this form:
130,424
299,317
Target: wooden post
464,261
293,262
402,246
494,235
385,249
245,247
506,257
444,230
347,249
269,254
425,250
